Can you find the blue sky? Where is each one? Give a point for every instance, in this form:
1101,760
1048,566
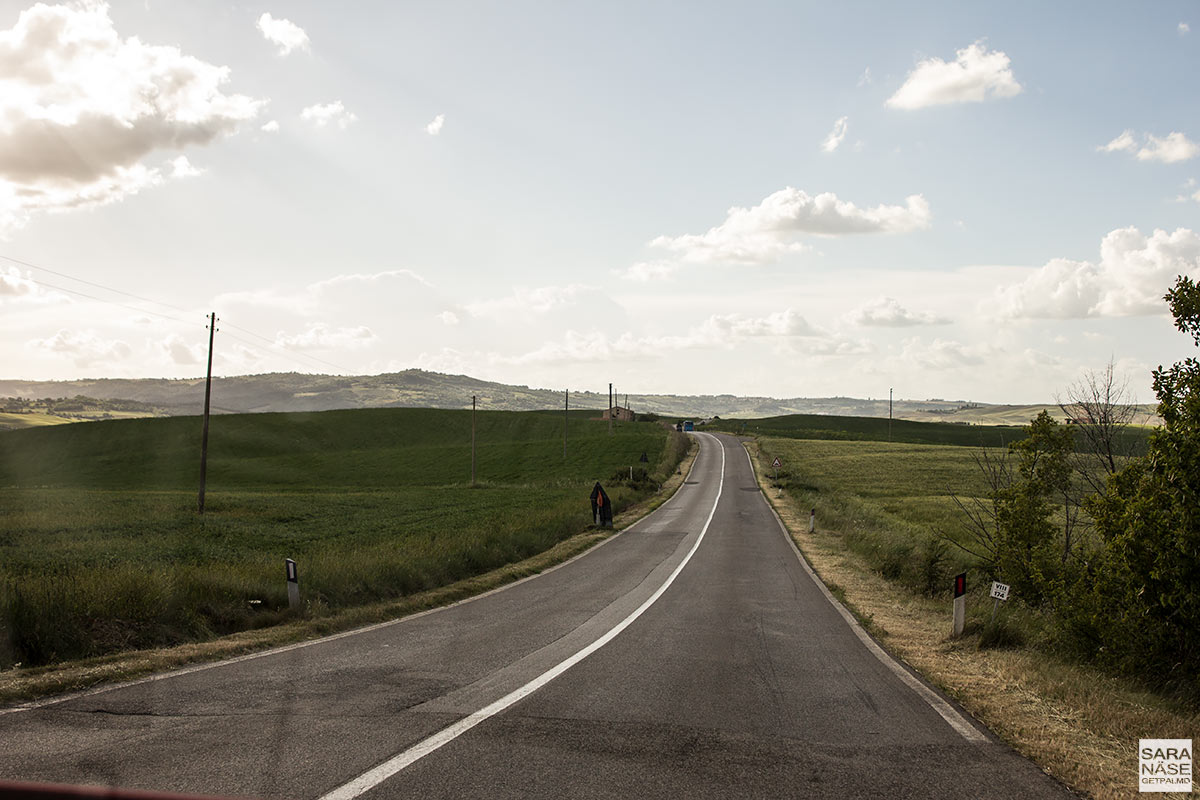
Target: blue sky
973,201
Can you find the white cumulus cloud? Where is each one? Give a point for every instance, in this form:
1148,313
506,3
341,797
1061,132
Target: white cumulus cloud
1184,28
435,127
323,114
271,127
975,74
768,231
320,335
646,271
835,136
85,348
282,33
1168,149
1131,277
886,312
80,108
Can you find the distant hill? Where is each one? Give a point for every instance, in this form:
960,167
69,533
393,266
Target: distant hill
291,391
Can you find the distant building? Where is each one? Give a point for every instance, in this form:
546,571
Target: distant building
619,414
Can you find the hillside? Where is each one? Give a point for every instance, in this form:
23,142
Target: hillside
419,389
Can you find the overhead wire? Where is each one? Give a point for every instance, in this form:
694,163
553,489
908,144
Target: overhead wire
272,343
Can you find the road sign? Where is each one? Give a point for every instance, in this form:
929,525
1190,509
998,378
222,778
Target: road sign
960,584
1000,590
776,464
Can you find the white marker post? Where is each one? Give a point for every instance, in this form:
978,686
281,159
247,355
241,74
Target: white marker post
960,603
293,583
812,521
999,592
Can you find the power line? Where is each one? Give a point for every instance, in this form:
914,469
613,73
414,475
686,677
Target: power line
272,343
92,283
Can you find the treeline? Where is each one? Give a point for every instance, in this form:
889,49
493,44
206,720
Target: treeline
67,405
1103,543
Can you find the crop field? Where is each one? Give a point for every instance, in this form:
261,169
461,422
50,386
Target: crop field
890,501
101,548
873,429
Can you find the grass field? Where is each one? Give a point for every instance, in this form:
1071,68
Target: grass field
101,548
872,429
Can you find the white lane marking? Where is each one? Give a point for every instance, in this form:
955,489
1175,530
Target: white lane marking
935,701
373,777
188,670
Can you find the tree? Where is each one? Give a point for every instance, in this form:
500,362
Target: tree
1101,409
1146,600
1013,530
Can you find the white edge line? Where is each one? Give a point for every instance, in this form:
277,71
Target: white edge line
377,775
935,701
188,670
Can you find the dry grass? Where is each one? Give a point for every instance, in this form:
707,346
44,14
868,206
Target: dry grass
1080,725
25,684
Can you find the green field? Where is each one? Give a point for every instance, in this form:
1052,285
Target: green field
101,548
872,429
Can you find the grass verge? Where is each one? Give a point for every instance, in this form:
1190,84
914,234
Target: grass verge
22,684
1080,725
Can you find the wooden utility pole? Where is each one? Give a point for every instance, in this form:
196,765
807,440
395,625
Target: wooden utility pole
472,440
889,415
566,419
212,329
610,409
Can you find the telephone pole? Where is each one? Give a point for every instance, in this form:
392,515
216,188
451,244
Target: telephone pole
566,418
889,414
610,409
212,329
472,440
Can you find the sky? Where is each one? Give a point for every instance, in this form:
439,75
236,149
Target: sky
974,201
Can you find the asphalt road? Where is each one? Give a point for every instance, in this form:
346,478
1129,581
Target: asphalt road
691,656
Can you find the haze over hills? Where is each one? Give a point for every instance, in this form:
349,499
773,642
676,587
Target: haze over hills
292,391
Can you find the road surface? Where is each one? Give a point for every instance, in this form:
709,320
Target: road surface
693,655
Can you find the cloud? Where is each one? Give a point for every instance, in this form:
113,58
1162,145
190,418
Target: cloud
286,35
835,136
85,348
886,312
320,336
448,317
179,351
646,271
972,77
1169,149
271,127
943,354
523,303
16,287
1184,28
80,107
865,78
766,232
182,168
435,127
323,114
1130,279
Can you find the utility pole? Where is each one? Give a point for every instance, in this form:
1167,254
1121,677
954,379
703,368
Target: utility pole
889,414
212,329
610,409
566,419
472,440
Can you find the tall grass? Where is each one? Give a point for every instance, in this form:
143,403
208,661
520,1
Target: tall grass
101,549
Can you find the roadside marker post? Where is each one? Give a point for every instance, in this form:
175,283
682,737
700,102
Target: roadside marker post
812,521
960,603
293,583
999,592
